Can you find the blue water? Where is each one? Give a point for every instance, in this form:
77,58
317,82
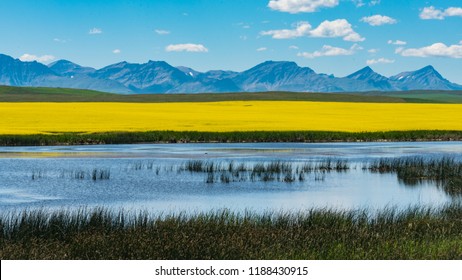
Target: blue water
146,177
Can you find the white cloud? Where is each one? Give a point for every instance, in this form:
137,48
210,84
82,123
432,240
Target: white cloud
399,50
186,48
435,50
380,60
301,6
434,13
293,47
302,28
42,59
60,40
116,51
397,42
330,51
373,51
95,31
360,3
162,32
377,20
327,29
337,28
431,13
262,49
453,12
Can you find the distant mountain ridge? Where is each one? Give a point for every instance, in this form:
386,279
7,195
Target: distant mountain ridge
373,79
68,68
426,77
161,77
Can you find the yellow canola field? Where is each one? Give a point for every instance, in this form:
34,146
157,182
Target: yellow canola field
33,118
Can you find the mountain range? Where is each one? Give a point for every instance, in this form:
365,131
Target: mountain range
161,77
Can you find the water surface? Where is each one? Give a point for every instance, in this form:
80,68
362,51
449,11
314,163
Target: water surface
147,177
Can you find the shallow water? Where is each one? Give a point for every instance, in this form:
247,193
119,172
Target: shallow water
149,177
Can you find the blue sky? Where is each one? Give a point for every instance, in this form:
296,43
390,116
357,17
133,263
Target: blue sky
330,36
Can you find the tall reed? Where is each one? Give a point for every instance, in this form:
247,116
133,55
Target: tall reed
415,233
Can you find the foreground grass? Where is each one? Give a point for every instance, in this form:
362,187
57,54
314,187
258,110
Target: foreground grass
224,137
316,234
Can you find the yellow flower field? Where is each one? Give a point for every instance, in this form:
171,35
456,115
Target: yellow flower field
33,118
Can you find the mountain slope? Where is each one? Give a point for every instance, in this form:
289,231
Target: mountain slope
14,72
64,74
373,79
161,77
211,81
282,75
68,68
425,78
151,77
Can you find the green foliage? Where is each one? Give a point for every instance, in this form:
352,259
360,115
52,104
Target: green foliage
224,137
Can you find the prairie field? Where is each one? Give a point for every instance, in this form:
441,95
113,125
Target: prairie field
21,118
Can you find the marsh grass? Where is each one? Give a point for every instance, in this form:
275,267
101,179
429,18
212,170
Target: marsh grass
415,233
141,165
445,172
280,171
100,174
224,137
38,174
94,174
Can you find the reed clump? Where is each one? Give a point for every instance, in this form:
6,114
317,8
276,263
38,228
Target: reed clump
95,174
445,172
280,171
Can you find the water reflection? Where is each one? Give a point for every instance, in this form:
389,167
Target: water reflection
261,177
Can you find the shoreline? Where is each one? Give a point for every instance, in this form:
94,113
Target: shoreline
170,137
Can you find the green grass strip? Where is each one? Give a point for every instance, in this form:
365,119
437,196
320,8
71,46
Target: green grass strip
37,94
225,137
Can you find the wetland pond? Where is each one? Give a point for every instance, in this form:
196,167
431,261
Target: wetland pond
192,178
